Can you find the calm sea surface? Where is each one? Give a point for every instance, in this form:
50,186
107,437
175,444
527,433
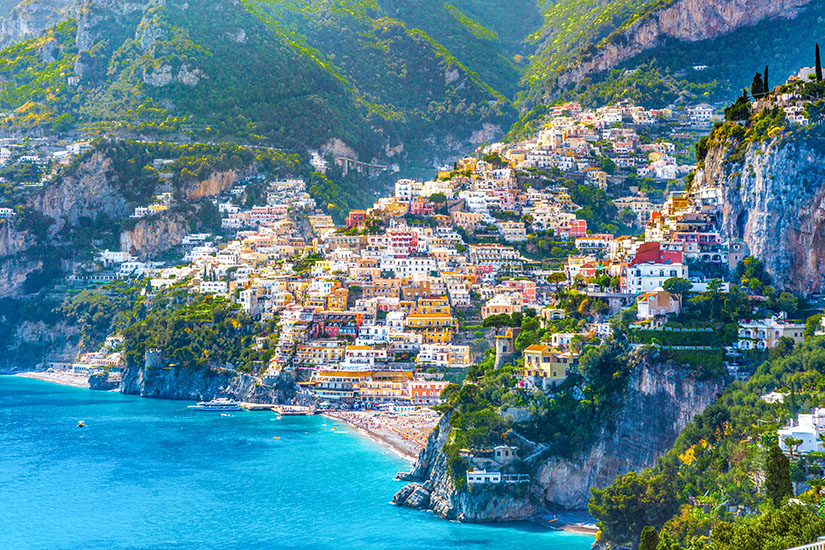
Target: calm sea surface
146,474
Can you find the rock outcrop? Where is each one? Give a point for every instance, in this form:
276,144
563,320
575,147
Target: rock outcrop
774,199
87,191
204,383
29,19
687,20
659,401
153,235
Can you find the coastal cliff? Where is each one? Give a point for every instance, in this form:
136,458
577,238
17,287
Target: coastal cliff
89,189
686,20
153,235
203,384
773,195
659,401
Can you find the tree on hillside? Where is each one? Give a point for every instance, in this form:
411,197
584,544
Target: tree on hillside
792,444
757,86
678,286
741,110
778,487
818,65
649,539
765,81
556,277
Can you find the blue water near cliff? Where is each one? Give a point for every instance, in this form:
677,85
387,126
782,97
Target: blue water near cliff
148,474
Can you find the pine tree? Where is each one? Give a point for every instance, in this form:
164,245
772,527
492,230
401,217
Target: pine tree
767,87
778,487
818,65
649,539
757,86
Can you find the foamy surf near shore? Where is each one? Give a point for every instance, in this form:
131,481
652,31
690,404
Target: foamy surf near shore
64,378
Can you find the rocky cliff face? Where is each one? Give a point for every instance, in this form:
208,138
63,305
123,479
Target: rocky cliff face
688,20
209,382
29,19
87,191
659,401
774,199
154,235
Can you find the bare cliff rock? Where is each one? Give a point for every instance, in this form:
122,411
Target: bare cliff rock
659,401
687,20
29,19
773,195
213,185
87,191
153,235
203,384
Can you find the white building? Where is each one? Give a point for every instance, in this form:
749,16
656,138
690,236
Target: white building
807,428
650,276
764,334
214,287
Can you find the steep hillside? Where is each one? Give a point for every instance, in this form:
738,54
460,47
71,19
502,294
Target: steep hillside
581,40
631,440
298,75
726,64
771,173
23,20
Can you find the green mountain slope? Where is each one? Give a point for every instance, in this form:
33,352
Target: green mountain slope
294,74
386,80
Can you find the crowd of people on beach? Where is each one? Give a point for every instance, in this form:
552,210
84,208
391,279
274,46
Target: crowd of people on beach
411,427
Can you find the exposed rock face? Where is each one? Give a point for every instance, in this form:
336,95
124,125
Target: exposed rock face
165,75
205,383
215,184
13,268
102,382
774,199
12,241
688,20
658,403
29,19
154,235
86,192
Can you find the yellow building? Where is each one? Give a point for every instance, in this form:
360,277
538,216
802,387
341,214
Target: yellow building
546,363
337,300
320,353
434,328
433,306
157,207
338,384
317,301
384,386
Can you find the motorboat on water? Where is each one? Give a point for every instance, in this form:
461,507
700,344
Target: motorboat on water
217,405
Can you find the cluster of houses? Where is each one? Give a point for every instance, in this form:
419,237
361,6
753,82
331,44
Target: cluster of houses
48,154
370,312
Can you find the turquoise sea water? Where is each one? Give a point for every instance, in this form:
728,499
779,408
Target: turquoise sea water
147,474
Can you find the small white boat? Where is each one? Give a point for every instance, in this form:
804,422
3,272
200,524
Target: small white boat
217,405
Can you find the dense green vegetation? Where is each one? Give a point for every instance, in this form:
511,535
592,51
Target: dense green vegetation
717,460
293,74
194,332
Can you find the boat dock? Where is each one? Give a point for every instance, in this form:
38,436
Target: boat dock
294,410
257,406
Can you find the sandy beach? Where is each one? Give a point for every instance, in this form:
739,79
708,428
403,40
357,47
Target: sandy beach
64,378
405,433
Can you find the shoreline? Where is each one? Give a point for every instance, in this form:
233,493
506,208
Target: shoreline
396,445
63,379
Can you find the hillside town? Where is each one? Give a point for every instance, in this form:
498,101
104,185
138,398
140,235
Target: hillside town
390,306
